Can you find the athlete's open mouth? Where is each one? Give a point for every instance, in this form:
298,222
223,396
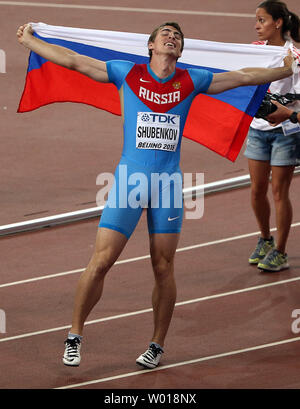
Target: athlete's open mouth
170,45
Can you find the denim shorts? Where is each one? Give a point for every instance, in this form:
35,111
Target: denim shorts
273,146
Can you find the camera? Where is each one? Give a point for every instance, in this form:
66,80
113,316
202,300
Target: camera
266,108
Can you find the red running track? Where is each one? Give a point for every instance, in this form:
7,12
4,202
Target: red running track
232,326
223,306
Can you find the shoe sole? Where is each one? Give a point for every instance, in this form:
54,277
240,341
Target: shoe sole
273,270
254,262
69,364
146,365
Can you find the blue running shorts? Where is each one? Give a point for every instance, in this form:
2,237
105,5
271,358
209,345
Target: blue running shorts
137,188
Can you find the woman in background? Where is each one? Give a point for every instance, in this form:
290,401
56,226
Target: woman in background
271,149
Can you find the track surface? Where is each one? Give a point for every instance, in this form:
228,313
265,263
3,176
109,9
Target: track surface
232,326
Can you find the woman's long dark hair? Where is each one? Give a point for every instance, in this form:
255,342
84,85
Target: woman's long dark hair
291,22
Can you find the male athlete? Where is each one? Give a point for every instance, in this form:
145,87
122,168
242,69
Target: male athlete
155,100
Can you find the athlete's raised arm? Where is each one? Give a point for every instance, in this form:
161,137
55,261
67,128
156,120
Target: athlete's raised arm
91,67
250,76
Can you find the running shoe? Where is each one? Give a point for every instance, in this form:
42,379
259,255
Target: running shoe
72,352
274,261
261,250
150,359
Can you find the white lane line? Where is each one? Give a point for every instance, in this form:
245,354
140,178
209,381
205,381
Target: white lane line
79,270
183,363
125,9
130,260
140,312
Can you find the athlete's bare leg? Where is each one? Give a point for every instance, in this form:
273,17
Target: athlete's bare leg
108,247
162,249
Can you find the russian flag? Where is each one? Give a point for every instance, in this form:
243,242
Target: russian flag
219,122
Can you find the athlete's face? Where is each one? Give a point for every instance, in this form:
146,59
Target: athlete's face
267,29
167,41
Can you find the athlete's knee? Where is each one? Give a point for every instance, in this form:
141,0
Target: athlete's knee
163,267
99,265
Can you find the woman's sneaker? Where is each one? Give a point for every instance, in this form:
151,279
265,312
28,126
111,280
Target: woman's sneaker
150,359
72,352
275,261
261,250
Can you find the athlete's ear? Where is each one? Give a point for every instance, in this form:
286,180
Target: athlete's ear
150,45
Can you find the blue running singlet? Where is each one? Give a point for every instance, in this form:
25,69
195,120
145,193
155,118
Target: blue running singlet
148,174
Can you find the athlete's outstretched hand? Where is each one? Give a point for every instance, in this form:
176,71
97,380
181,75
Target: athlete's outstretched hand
24,33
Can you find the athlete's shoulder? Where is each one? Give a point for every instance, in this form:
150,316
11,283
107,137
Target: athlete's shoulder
202,78
119,65
117,70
